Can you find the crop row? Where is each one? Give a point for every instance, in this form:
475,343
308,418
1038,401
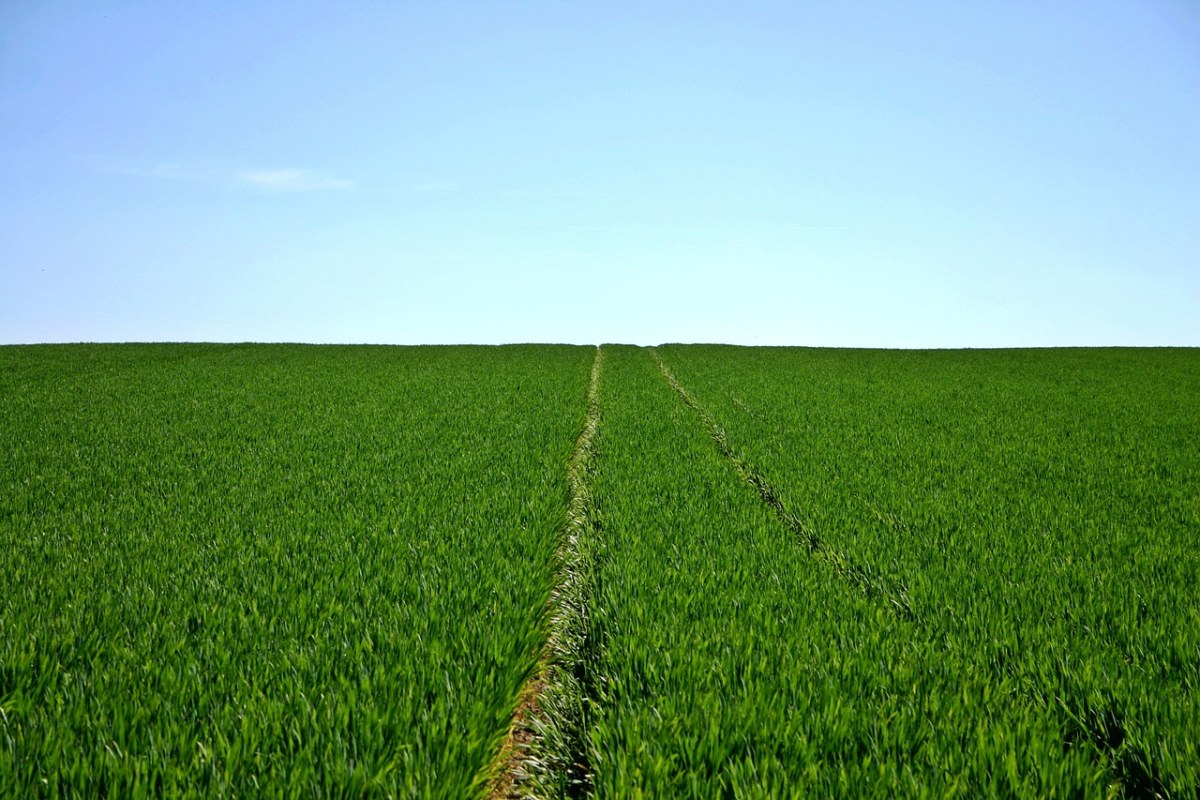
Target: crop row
1038,509
733,663
349,571
273,571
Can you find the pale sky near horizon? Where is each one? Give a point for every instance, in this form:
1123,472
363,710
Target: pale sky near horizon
881,174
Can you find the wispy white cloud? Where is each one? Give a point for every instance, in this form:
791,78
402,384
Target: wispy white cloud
277,180
292,180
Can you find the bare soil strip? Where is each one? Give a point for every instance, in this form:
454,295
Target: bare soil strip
869,580
542,753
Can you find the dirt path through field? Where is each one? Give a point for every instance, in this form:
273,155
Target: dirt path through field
862,575
542,754
1100,726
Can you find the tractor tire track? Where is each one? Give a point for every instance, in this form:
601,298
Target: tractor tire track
543,753
864,576
1102,726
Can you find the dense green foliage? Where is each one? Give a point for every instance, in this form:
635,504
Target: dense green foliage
273,570
1031,515
757,572
736,662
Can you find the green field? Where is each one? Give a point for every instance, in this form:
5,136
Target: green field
686,571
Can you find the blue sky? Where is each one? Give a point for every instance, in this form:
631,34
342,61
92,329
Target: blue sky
886,174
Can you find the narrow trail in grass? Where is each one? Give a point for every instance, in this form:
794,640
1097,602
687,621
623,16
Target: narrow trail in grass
543,753
1102,727
863,575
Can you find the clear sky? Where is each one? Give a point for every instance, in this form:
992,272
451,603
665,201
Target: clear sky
888,174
